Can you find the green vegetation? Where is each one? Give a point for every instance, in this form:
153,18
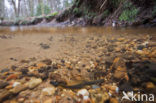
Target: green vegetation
129,13
105,13
41,8
54,14
88,13
76,11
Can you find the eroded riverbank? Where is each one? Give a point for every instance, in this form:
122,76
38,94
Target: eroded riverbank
52,65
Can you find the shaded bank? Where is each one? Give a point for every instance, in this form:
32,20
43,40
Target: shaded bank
112,12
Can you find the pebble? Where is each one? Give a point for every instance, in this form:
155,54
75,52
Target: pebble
12,76
3,84
21,100
100,98
83,93
120,73
16,84
48,101
114,89
5,70
150,85
47,61
34,82
113,100
48,91
95,86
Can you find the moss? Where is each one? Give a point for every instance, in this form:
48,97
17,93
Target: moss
54,14
129,13
51,15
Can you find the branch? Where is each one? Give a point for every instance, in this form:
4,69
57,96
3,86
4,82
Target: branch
103,4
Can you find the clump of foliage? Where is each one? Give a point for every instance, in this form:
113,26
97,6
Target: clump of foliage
42,8
87,12
105,13
50,16
129,13
76,10
54,14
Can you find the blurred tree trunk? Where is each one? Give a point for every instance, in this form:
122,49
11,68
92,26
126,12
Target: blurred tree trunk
19,6
42,6
31,6
1,8
14,6
2,12
25,8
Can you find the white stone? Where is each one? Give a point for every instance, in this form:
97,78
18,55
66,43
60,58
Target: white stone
83,92
48,91
16,84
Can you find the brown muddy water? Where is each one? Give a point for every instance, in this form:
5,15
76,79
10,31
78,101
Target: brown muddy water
20,43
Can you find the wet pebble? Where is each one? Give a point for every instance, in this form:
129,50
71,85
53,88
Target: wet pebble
34,82
44,46
3,84
48,91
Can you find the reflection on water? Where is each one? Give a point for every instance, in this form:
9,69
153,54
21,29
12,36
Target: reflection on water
78,30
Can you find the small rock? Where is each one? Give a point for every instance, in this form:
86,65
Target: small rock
4,95
13,59
100,98
95,86
48,91
24,71
3,84
21,100
47,61
150,85
140,47
24,61
121,39
18,89
5,70
114,89
48,101
13,101
12,76
113,100
83,93
13,67
44,46
34,82
16,84
34,101
120,73
39,65
8,87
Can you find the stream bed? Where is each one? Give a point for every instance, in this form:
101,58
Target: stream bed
76,64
